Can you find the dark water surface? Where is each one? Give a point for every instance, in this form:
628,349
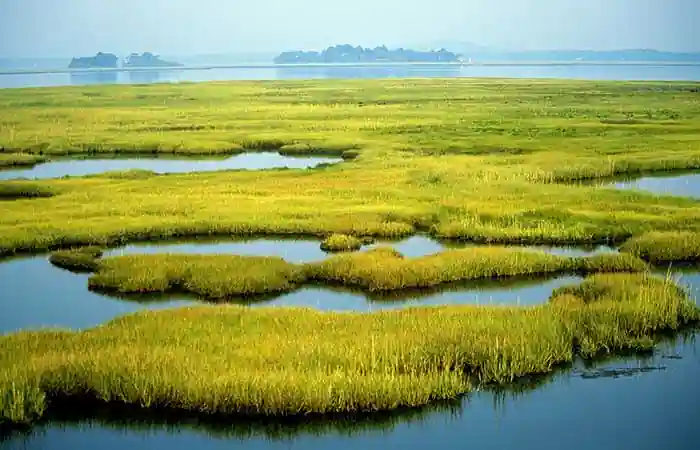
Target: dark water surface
590,72
90,166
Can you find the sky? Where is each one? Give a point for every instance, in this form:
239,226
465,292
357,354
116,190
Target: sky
60,28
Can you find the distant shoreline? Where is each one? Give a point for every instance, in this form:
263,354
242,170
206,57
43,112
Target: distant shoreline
357,65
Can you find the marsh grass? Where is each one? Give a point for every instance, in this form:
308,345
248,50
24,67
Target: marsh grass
9,160
378,270
341,243
664,247
288,361
82,259
209,276
463,158
18,190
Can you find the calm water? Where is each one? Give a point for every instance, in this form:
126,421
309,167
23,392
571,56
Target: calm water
687,185
62,299
299,250
644,403
601,72
90,166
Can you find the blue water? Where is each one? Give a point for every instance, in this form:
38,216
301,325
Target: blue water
592,72
687,185
640,402
91,166
62,299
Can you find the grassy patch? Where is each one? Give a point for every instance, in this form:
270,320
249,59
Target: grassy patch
209,276
383,269
9,160
341,243
660,247
17,190
82,259
469,159
286,361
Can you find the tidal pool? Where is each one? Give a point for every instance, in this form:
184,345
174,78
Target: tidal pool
679,185
91,166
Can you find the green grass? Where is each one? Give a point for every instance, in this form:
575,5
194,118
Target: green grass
209,276
659,247
341,243
83,259
460,158
286,361
218,277
12,160
19,190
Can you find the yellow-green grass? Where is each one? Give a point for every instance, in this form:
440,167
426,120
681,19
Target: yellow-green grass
382,269
208,276
83,259
462,158
9,160
664,247
19,190
341,243
285,361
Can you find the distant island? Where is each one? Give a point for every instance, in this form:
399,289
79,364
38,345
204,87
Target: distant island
349,54
147,59
111,61
101,60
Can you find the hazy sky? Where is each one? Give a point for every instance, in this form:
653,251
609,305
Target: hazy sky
44,28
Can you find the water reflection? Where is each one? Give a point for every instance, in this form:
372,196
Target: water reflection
96,165
96,77
589,72
378,71
673,183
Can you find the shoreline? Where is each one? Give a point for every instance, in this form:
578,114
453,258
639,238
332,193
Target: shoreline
359,65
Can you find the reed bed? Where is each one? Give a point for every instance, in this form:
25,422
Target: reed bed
82,259
209,276
341,243
12,160
288,361
217,277
20,190
462,158
665,247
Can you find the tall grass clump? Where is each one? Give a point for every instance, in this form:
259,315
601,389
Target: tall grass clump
609,312
385,269
663,247
378,270
17,190
209,276
341,243
9,160
81,259
288,361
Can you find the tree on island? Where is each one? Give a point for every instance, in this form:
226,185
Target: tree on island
101,60
348,54
147,59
